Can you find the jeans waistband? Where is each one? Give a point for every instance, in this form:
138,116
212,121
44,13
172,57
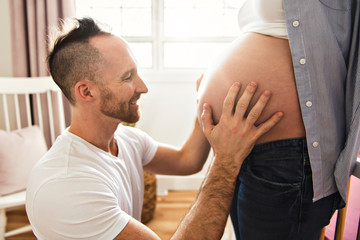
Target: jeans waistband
290,143
292,151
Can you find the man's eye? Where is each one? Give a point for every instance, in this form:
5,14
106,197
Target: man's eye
128,78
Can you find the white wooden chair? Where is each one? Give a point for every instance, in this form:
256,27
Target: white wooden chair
35,93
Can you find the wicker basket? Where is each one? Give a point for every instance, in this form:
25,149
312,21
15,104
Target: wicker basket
149,204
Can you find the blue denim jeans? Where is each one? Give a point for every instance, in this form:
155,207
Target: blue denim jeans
273,195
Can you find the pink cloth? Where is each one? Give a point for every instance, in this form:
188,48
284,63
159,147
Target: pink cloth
20,150
352,214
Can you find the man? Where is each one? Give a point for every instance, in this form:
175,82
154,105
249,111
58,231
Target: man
89,185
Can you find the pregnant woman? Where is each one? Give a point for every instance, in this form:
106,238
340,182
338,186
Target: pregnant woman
274,193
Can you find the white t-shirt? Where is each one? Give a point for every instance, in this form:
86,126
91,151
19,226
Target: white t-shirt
78,191
263,16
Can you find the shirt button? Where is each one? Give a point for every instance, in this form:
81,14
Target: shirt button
308,103
295,23
315,144
302,61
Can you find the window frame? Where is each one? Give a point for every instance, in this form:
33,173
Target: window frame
158,41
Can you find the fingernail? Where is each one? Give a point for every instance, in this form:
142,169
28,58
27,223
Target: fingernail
267,93
253,84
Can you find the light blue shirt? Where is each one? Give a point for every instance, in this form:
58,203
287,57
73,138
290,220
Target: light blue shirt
324,40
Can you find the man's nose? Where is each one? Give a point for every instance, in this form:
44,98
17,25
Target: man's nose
141,88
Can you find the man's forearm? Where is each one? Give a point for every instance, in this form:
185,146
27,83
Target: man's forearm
208,215
195,150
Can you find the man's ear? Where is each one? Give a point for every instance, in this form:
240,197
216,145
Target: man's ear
84,91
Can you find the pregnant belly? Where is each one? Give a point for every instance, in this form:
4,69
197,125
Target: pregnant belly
267,61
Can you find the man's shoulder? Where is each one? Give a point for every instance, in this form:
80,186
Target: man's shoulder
66,149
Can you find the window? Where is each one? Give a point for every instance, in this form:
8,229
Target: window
168,34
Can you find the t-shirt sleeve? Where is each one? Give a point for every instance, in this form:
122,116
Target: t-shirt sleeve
81,209
150,147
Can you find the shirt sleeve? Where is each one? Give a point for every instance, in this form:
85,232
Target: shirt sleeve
81,209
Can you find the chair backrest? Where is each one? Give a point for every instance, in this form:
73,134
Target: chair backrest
32,101
25,102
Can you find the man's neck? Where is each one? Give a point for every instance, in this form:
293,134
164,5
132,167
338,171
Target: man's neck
98,132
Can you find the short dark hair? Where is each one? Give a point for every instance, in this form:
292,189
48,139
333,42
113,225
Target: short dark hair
73,58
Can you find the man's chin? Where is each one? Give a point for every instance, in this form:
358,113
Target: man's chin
132,120
129,122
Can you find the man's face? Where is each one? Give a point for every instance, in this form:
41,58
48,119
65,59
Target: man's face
121,86
124,109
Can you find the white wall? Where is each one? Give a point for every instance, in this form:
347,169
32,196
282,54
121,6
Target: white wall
168,115
5,39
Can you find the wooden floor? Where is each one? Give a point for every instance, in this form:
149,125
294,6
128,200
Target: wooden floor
170,210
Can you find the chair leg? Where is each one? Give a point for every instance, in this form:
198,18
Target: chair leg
2,223
340,222
322,234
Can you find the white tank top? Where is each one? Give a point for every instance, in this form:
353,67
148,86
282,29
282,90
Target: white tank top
263,16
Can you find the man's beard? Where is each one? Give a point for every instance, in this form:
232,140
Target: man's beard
121,111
